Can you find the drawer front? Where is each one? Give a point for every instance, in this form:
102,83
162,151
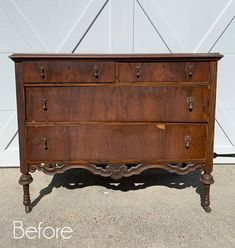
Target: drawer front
164,72
83,72
108,142
117,103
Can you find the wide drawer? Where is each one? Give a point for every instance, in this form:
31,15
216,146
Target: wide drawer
164,72
84,72
109,141
117,103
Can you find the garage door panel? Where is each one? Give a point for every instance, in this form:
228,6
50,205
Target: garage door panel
114,26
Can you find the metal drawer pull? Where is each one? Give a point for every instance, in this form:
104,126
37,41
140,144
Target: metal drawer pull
42,72
187,141
44,100
96,72
190,67
190,103
138,70
45,144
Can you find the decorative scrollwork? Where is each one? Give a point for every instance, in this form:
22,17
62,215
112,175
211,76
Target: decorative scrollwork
115,171
118,171
47,168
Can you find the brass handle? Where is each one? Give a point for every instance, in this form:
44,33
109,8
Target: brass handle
45,146
138,71
42,72
44,100
96,72
187,141
190,103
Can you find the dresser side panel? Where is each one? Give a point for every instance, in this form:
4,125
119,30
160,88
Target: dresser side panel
20,95
211,124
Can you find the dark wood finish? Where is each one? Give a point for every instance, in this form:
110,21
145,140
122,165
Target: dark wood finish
164,72
117,103
70,72
115,171
126,57
104,142
25,180
116,115
207,178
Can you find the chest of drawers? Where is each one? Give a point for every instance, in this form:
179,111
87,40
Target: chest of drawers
116,115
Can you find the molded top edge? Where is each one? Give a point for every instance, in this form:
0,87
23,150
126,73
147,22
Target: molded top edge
152,56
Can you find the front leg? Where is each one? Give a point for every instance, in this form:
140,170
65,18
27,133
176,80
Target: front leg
25,180
207,180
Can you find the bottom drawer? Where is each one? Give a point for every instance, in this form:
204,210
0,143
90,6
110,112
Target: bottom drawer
104,142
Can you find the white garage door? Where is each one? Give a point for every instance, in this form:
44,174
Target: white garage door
117,26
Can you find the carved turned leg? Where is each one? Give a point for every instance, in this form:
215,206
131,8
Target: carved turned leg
25,180
207,180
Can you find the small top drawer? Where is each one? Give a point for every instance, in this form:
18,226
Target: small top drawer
77,72
164,72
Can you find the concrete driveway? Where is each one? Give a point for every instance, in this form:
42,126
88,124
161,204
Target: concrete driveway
155,209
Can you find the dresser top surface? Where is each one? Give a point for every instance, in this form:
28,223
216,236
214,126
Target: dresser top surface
154,57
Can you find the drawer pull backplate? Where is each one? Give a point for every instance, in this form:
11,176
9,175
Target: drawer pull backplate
187,141
190,103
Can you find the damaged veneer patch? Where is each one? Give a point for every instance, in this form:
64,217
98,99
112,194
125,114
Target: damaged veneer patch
161,126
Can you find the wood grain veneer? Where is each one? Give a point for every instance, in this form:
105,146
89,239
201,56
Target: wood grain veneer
116,115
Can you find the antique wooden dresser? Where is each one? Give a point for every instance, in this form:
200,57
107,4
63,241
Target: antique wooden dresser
116,115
